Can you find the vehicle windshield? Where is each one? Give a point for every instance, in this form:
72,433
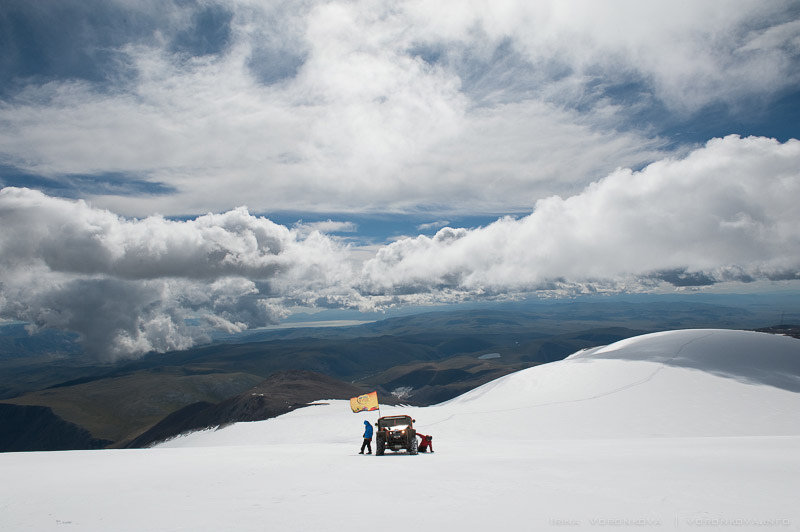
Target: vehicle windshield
394,423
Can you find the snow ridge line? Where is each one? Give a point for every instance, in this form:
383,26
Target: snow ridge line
661,366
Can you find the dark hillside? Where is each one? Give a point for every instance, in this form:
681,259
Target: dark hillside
37,428
280,393
122,407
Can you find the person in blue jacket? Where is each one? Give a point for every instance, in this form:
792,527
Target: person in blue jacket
367,438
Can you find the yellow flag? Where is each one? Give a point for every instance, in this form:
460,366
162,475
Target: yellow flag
366,402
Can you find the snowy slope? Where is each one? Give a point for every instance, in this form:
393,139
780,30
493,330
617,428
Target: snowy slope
675,430
641,387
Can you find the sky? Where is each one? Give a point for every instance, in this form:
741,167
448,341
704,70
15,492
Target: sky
175,167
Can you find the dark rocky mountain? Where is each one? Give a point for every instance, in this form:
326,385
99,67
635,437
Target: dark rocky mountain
37,428
121,407
282,392
426,383
786,330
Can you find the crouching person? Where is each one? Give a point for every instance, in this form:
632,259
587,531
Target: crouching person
426,444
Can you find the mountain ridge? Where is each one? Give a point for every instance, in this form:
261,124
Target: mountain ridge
279,394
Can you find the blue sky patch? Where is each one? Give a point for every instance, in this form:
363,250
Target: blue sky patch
208,34
82,185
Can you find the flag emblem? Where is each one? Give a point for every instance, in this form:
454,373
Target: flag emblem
368,402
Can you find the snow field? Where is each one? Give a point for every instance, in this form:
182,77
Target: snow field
672,431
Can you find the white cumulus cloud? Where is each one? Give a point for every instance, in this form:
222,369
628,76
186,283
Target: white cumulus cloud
727,211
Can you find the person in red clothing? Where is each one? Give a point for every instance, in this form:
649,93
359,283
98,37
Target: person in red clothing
426,443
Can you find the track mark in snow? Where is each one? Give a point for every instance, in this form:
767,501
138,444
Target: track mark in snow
661,366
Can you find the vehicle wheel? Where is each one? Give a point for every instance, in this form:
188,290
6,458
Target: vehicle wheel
379,447
414,446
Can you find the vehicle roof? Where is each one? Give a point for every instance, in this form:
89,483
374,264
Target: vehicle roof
395,417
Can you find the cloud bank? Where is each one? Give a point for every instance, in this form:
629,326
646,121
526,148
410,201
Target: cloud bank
725,212
132,286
